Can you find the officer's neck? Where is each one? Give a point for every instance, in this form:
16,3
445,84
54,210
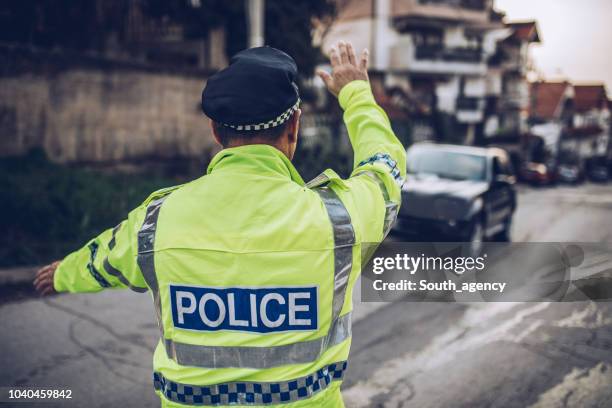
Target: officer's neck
283,143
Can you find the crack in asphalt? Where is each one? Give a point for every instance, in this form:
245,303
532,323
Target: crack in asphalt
104,350
52,363
105,360
399,389
130,339
60,360
567,397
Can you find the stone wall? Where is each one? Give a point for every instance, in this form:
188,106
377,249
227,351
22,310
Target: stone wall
80,109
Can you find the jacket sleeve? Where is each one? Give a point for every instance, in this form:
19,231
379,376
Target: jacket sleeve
107,261
373,192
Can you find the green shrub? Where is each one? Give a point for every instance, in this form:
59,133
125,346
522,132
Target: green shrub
48,210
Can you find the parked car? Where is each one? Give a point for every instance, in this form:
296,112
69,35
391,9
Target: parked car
597,169
457,193
570,173
571,168
537,173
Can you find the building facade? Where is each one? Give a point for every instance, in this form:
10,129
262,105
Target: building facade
590,133
573,120
508,90
435,52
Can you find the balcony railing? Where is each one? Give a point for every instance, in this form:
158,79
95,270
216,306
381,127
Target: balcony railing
467,103
462,54
428,52
479,5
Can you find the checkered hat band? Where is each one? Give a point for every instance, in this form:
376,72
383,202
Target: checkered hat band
250,393
279,120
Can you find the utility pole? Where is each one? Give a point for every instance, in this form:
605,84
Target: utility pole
379,50
255,22
373,34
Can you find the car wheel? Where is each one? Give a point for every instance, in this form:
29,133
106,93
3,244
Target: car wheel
476,237
505,235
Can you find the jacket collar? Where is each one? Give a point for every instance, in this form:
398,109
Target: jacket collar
254,159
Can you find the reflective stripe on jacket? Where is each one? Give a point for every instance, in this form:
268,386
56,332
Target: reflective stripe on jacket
251,270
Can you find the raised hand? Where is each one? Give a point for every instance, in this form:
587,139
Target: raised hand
345,67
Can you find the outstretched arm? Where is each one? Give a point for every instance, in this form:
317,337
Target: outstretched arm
373,192
107,261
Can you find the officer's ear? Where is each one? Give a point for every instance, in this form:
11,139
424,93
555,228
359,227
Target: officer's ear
215,133
294,126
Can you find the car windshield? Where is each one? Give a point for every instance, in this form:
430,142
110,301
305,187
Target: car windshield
445,164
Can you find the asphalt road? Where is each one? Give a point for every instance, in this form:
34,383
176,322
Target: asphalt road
403,354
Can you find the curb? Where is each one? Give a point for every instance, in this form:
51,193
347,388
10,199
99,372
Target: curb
15,276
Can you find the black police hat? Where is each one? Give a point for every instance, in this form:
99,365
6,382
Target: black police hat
256,91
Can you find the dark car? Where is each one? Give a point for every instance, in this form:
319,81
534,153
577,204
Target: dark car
457,193
597,169
570,173
571,168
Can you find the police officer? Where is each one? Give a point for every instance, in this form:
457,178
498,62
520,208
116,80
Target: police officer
250,269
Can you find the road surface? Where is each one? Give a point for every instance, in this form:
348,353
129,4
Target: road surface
403,354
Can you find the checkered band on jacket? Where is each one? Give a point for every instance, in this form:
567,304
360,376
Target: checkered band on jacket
250,393
389,162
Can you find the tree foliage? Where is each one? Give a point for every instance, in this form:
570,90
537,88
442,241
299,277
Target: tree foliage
288,27
287,23
81,25
87,25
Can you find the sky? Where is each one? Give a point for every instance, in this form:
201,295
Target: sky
576,37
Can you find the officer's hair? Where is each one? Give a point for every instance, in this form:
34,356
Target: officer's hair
227,134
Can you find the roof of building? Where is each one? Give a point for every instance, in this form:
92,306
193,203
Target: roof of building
524,31
546,98
587,97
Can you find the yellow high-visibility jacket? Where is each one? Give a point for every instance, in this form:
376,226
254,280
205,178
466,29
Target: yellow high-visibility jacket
251,270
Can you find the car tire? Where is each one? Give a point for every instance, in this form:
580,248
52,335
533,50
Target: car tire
505,235
476,236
